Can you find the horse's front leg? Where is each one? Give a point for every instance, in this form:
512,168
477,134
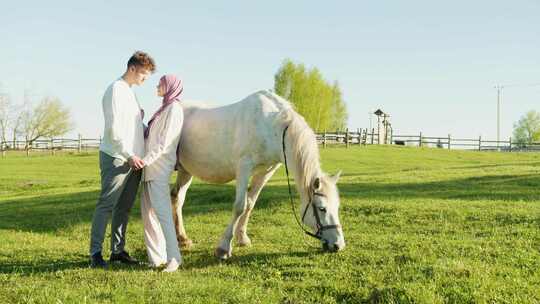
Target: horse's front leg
178,197
257,183
224,249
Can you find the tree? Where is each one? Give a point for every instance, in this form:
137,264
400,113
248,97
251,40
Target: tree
318,101
5,106
338,109
48,119
527,129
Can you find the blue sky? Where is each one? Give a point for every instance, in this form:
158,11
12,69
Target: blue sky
431,65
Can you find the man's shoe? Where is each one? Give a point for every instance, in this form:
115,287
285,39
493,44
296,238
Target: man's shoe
96,261
124,258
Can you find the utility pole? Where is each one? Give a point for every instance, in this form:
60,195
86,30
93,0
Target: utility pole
499,97
500,88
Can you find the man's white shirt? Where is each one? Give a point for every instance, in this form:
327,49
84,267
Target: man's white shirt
123,135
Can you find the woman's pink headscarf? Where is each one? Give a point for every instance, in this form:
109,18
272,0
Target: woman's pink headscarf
173,88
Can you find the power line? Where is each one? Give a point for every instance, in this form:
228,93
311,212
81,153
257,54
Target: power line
521,85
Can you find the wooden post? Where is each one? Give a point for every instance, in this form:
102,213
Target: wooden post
510,144
480,143
364,141
27,145
372,134
324,139
52,146
449,140
79,146
347,138
420,140
359,135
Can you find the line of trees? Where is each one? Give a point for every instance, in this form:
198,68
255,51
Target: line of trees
47,119
321,103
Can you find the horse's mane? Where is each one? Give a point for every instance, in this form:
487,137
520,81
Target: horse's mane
301,143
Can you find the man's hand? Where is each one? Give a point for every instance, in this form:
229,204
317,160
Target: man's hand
136,163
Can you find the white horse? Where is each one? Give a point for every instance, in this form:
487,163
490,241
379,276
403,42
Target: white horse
244,140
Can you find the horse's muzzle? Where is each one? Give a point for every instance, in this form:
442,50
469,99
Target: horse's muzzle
335,247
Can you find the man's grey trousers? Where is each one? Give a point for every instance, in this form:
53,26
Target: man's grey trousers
119,184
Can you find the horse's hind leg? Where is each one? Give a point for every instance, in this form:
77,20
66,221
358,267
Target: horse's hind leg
178,197
224,249
257,183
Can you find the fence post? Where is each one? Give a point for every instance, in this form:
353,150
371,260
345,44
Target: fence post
52,146
359,135
480,143
420,140
324,139
27,145
449,141
372,134
364,141
510,144
347,138
79,146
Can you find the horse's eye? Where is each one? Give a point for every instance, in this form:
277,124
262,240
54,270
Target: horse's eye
322,209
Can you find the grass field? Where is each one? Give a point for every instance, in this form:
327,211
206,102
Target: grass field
421,225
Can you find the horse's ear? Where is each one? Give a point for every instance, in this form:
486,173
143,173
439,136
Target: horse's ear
335,178
317,184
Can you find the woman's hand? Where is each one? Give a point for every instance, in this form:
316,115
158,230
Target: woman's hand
136,163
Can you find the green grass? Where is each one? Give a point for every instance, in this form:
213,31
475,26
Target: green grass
421,225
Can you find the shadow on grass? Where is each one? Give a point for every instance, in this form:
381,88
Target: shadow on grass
45,267
56,212
73,263
51,213
204,258
488,188
193,260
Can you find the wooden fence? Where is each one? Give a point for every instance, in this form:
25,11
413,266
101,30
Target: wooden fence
346,138
370,136
50,145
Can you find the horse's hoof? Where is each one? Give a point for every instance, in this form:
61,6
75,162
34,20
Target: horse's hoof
222,254
246,242
186,244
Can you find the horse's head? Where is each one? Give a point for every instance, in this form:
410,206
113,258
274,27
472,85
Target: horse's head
321,212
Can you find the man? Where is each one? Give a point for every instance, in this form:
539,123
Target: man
120,160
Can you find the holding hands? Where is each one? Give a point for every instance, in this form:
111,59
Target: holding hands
136,163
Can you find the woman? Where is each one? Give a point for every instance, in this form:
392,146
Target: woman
162,138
